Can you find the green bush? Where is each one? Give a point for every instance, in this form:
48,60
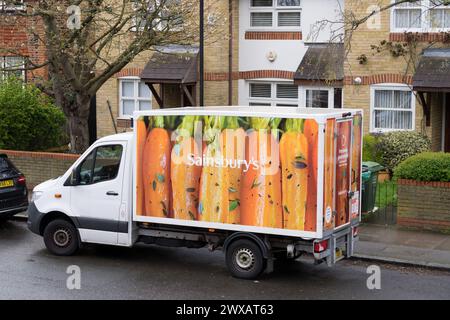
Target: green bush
395,147
427,166
29,120
370,151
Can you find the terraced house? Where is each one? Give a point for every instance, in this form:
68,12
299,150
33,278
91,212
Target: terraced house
268,53
398,68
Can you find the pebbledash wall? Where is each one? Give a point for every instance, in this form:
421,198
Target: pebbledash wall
40,166
424,205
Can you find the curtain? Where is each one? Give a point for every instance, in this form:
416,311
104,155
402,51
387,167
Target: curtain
400,117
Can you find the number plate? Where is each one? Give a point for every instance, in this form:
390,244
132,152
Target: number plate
6,184
338,253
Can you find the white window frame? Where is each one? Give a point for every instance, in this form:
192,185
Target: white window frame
158,25
426,25
136,98
330,95
274,9
3,65
273,100
391,87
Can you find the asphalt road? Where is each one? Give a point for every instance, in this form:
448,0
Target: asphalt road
28,271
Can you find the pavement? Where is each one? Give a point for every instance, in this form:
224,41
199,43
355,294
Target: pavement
29,271
394,245
391,244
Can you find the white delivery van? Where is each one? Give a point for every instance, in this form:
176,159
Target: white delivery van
259,183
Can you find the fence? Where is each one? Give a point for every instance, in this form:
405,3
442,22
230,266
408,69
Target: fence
385,212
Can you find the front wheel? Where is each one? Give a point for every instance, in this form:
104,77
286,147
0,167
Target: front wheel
61,238
245,259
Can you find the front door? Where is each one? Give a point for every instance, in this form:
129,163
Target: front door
447,123
96,200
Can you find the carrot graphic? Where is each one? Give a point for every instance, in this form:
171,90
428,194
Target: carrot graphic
233,148
213,206
185,176
156,170
329,175
261,184
294,165
311,131
141,135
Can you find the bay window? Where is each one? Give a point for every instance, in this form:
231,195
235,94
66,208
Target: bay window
134,95
392,108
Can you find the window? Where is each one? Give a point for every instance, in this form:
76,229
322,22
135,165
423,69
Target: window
275,13
11,6
273,94
135,95
12,63
100,165
440,15
421,16
285,94
392,108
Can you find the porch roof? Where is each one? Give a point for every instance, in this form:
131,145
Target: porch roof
433,71
171,68
322,63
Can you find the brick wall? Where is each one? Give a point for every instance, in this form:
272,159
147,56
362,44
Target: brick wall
40,166
424,205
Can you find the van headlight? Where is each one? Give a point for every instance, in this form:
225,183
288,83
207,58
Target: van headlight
36,195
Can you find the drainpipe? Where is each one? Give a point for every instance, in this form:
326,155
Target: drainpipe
230,53
202,53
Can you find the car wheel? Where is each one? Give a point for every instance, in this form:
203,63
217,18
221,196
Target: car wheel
61,238
244,259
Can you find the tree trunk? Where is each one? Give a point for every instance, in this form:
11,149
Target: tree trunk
78,118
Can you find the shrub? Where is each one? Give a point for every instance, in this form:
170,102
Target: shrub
428,166
29,120
394,147
370,152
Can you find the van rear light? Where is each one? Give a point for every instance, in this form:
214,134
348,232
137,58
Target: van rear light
355,231
21,180
320,246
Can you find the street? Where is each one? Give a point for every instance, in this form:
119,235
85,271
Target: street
28,271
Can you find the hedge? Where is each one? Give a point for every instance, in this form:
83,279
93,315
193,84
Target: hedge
427,166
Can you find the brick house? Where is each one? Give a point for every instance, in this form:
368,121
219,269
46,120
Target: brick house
403,81
258,61
16,42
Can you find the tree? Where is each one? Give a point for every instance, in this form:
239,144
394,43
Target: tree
88,41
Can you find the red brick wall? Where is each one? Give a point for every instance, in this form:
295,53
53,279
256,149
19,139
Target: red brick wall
424,205
40,166
16,36
262,35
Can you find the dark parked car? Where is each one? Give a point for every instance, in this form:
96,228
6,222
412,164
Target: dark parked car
13,189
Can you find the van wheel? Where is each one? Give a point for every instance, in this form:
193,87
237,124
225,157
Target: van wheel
61,238
244,259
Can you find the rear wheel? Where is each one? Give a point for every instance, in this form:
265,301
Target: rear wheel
244,259
61,238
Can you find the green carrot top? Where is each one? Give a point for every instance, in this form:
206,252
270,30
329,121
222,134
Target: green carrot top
295,125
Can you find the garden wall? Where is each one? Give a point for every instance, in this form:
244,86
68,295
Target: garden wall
424,205
40,166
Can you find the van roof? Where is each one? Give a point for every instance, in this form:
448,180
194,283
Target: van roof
320,115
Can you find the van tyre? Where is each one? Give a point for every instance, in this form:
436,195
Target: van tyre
244,259
61,238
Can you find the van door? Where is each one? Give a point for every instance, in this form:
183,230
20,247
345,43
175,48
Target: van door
343,170
97,197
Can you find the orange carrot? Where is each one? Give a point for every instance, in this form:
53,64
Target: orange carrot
185,176
261,184
294,154
311,131
233,148
141,135
156,170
